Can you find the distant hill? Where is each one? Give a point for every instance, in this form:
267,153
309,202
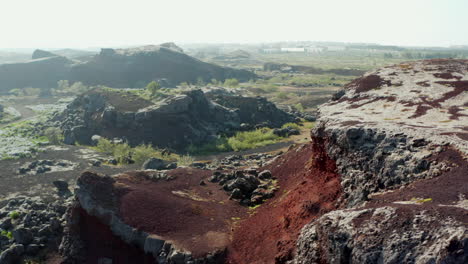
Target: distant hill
119,68
74,53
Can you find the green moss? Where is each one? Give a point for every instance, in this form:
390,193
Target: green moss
14,215
7,234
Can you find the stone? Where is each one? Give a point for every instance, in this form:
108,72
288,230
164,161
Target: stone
171,166
95,139
22,235
266,174
236,194
12,254
154,164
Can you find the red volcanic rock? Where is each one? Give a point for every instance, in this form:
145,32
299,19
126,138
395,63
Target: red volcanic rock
402,154
148,215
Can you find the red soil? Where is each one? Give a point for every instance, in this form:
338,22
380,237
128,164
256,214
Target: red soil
367,83
196,218
446,75
425,105
309,187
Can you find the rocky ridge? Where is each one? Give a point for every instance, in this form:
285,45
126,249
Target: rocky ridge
402,127
119,68
175,122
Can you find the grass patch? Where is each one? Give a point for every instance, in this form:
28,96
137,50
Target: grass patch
245,140
419,200
185,160
54,135
292,125
123,152
240,141
7,234
252,139
14,215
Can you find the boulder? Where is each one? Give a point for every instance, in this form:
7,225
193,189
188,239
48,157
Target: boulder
62,188
12,254
154,164
22,235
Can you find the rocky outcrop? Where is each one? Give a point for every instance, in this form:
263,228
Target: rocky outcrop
148,216
29,225
119,68
176,122
400,128
253,110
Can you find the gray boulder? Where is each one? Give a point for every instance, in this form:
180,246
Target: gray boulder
154,164
22,235
12,254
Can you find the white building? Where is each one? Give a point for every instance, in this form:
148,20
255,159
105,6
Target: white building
293,49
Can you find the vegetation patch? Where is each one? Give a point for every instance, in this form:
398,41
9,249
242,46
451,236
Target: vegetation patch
125,154
240,141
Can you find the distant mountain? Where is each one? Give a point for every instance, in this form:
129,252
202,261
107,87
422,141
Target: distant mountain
119,68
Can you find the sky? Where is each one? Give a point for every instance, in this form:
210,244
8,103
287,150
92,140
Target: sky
112,23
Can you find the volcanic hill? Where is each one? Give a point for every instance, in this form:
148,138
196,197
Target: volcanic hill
118,68
383,180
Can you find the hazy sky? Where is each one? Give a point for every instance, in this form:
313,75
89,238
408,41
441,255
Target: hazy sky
105,23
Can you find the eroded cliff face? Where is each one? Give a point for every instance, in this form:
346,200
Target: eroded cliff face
399,139
384,180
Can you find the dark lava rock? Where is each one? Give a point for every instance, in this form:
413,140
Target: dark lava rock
286,132
266,174
154,164
174,123
22,236
62,188
12,254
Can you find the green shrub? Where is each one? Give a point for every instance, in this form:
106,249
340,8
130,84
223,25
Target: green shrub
185,160
231,82
252,139
54,135
153,87
143,152
299,107
122,153
218,145
7,234
292,125
105,146
14,215
282,95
